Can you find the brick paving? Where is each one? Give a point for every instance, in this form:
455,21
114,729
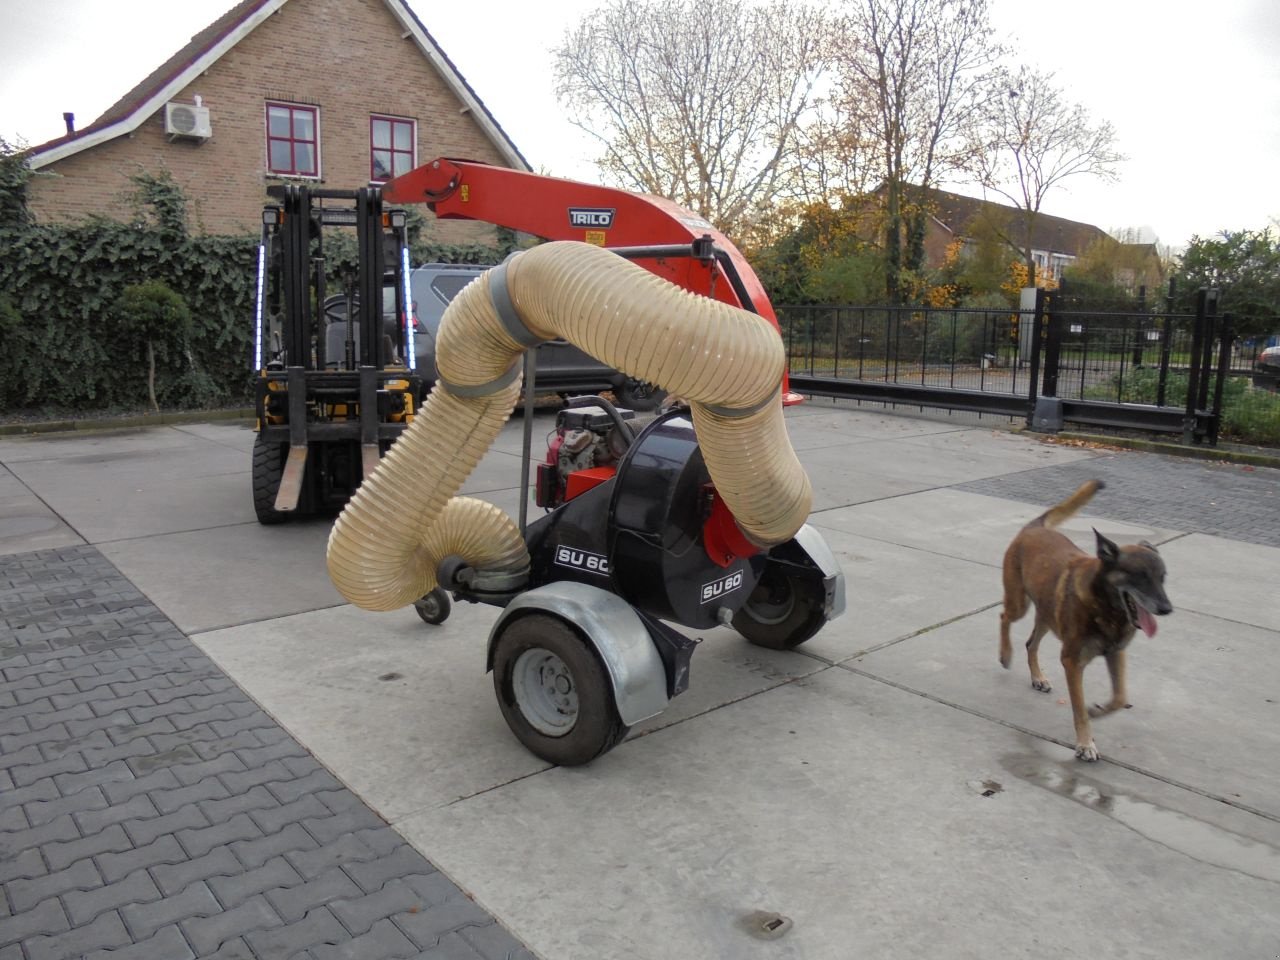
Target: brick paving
1219,499
150,809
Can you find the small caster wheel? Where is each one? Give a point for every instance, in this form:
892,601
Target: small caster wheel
434,607
553,691
782,612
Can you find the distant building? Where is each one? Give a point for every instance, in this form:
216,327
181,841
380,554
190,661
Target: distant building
334,93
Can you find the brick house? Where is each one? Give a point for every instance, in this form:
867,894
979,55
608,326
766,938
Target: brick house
337,93
1055,242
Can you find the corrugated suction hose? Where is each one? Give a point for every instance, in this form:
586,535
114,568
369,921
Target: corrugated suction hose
728,363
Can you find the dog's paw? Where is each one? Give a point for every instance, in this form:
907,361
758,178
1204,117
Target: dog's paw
1087,752
1041,685
1102,709
1005,660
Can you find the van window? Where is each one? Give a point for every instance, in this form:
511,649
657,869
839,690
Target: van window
448,286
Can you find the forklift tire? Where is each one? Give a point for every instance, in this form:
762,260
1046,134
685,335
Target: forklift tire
435,607
783,610
268,467
638,395
554,692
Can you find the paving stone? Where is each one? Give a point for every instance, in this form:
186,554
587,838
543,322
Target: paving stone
452,946
259,755
275,873
165,756
254,853
27,863
200,841
348,850
122,733
493,942
144,919
318,927
69,783
429,925
330,828
105,932
14,742
384,939
274,819
30,754
42,719
25,894
207,934
80,728
176,877
138,807
256,799
361,913
191,773
40,790
404,861
167,944
88,678
97,756
313,782
115,866
267,774
68,763
293,903
144,831
42,811
13,819
83,906
63,828
46,917
167,801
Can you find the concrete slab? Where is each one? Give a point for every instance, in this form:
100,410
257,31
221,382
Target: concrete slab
238,434
858,812
110,445
892,591
27,524
206,579
1226,578
1203,695
969,526
405,713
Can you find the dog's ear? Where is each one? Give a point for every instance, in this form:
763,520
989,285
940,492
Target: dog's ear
1108,552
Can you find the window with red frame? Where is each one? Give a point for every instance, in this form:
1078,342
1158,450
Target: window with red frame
293,140
391,143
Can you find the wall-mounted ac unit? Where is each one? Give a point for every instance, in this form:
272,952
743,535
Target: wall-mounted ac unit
187,120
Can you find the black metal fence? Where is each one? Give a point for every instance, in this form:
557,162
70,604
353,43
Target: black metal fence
1053,361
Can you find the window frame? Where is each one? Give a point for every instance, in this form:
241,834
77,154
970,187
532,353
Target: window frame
413,144
293,109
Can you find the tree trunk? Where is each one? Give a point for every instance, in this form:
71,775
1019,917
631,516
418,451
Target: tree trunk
151,377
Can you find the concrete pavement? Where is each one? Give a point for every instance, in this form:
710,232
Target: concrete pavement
888,788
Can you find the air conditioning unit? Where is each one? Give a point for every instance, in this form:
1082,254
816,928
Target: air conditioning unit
187,120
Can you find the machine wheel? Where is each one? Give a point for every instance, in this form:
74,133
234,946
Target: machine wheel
435,607
268,466
783,610
639,395
554,692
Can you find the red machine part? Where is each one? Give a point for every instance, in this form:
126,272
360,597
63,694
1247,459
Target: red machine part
559,209
722,538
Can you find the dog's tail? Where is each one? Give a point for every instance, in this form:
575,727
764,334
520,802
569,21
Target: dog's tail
1068,507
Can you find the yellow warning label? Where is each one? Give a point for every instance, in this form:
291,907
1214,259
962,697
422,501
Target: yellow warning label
595,237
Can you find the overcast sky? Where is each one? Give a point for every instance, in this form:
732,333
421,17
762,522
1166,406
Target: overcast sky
1193,89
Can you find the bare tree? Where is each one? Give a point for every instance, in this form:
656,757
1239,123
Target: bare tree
1034,140
911,75
696,100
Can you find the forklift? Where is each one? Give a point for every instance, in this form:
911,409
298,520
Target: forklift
336,371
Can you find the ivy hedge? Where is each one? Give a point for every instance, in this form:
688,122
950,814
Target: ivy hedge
72,341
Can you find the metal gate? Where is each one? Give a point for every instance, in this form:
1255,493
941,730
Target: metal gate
1052,361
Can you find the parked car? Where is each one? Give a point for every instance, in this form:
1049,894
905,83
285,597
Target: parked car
1266,369
560,366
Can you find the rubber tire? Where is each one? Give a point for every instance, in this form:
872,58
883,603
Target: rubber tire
434,608
598,728
783,610
639,396
268,467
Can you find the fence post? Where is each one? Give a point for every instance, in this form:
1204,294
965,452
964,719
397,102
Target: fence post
1206,362
1035,419
1052,345
1227,336
1194,367
1165,333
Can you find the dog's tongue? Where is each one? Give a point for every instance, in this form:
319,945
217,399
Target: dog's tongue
1146,621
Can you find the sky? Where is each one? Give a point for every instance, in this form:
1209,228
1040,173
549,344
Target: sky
1192,89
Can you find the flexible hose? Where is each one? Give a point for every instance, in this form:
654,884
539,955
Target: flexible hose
728,363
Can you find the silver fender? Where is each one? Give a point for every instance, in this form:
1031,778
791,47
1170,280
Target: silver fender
614,629
811,542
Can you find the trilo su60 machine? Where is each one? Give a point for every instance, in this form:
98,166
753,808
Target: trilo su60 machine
698,519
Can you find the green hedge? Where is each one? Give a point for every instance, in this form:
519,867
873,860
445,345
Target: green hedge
67,340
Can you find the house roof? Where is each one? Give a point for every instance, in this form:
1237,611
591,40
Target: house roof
207,46
959,215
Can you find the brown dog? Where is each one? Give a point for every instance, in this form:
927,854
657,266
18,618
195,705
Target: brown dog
1093,604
